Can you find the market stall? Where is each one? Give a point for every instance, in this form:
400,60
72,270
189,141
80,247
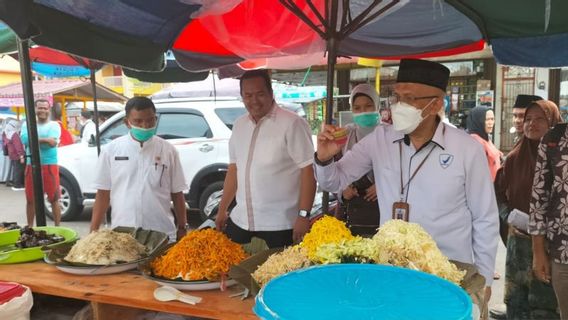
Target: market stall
59,91
119,270
123,295
106,268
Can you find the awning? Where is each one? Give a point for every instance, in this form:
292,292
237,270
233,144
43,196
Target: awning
11,95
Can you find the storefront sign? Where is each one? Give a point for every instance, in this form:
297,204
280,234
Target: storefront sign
485,98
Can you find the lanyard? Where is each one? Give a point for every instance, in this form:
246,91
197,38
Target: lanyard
404,186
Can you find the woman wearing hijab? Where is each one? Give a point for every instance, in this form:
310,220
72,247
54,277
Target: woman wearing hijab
359,200
15,151
526,297
480,124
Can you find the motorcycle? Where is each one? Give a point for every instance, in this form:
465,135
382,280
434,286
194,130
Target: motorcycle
212,206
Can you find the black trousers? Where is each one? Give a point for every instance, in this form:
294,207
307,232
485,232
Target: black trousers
274,239
17,174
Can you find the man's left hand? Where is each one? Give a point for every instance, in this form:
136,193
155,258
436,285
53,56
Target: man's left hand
371,193
180,233
301,226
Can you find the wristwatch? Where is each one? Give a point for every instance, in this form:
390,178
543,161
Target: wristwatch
321,163
184,227
304,213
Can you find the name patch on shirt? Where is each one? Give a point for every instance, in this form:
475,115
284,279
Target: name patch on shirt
446,160
120,158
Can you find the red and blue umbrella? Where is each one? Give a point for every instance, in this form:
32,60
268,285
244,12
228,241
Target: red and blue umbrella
206,34
137,33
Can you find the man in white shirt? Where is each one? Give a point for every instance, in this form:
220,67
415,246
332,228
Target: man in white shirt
270,171
138,175
425,171
88,128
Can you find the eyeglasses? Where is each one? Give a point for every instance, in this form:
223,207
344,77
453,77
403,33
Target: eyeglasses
395,98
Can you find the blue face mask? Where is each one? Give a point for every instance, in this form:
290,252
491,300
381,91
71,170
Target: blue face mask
142,134
366,119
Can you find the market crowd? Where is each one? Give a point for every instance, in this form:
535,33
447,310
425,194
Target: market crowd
411,165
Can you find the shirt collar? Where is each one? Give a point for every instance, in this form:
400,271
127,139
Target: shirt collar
439,137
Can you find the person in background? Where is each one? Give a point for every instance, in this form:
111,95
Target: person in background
66,138
270,170
103,117
88,126
13,145
139,175
48,133
548,216
359,200
525,296
480,124
521,103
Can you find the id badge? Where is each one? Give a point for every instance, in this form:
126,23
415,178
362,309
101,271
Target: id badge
400,211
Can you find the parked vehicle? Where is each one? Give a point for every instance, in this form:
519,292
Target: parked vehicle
209,212
199,128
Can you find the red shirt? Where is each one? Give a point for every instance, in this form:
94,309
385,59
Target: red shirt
493,155
65,137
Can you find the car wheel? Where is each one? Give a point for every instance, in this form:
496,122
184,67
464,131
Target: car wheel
68,201
209,200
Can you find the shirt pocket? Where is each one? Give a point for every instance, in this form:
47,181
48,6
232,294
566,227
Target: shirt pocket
159,175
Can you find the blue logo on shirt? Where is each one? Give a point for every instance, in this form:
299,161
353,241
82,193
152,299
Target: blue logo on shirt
446,160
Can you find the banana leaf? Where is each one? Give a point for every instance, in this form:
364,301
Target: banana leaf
242,272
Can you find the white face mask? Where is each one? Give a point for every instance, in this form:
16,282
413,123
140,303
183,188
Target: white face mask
405,117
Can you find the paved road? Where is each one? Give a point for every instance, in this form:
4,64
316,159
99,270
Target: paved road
12,208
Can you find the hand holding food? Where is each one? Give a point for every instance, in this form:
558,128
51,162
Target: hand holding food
330,141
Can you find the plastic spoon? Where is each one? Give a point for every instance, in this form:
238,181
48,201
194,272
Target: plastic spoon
166,293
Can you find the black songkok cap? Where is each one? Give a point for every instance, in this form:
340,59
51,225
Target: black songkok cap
423,71
524,100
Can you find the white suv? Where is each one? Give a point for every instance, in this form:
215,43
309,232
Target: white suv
199,128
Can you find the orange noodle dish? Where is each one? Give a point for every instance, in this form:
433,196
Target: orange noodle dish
199,255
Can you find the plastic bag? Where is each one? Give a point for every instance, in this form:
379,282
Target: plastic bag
19,307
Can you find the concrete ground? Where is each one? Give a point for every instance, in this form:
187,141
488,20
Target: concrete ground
12,209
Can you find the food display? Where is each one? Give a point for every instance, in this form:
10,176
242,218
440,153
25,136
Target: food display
199,255
408,245
356,250
36,238
326,230
7,226
397,243
106,247
292,258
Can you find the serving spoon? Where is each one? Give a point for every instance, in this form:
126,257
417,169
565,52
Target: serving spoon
166,293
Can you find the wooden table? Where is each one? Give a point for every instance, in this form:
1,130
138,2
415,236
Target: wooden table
120,296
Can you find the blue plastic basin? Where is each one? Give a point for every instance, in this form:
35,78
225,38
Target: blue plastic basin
362,291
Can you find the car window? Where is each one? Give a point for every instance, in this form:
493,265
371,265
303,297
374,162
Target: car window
229,115
117,129
182,125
